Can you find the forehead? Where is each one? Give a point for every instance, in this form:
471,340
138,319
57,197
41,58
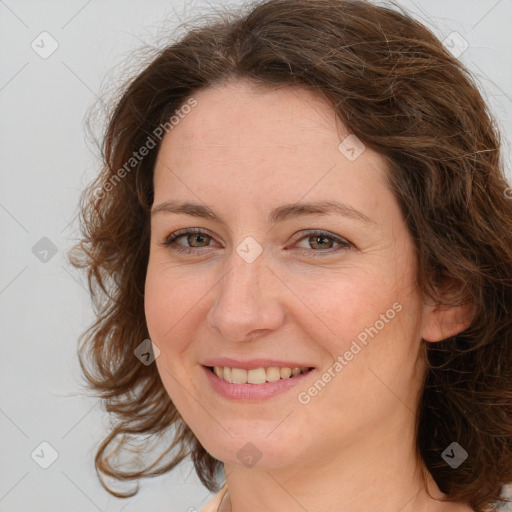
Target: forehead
262,146
240,112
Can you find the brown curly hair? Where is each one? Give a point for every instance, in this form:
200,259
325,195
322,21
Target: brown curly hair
396,87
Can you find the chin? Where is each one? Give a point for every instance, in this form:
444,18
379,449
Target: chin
253,448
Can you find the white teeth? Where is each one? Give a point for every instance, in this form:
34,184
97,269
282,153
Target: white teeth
273,374
285,373
238,376
256,375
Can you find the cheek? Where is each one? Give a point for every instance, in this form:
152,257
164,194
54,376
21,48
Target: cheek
165,302
174,303
155,304
340,304
166,308
367,314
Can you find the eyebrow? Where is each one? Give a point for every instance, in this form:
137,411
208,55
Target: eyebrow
275,216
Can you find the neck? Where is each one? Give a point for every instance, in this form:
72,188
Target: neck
371,473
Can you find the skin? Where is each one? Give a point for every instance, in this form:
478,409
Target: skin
243,151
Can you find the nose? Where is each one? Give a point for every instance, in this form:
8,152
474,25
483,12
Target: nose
247,301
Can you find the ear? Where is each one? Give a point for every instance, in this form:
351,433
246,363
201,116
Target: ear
442,321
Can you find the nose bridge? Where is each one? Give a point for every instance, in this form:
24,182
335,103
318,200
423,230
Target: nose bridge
244,301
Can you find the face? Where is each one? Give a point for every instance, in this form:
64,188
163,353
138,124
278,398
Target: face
245,280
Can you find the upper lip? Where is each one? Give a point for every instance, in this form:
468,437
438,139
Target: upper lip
254,363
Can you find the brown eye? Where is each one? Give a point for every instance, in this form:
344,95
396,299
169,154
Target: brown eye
323,244
198,238
320,242
194,239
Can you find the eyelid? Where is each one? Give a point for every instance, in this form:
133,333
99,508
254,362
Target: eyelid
186,231
320,232
343,243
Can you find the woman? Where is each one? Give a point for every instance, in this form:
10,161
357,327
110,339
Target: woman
303,207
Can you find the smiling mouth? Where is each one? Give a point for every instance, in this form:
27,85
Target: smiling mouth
256,375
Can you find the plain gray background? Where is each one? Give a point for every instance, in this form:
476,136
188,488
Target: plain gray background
45,162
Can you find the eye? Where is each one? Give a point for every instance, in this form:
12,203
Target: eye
196,237
320,243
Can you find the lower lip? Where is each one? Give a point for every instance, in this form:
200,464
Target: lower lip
246,392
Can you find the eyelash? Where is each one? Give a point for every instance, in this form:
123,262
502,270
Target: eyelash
171,239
